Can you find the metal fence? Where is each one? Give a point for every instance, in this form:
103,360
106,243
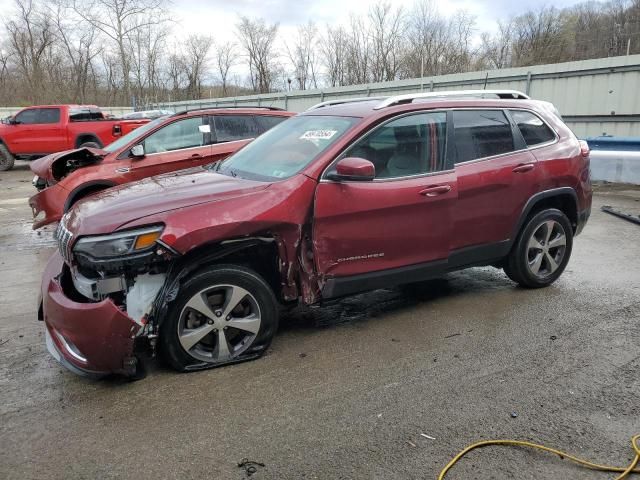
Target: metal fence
595,97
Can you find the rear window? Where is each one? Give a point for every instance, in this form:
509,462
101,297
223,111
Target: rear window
84,114
480,134
235,127
533,129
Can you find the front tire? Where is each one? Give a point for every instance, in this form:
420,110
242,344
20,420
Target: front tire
6,159
222,315
542,250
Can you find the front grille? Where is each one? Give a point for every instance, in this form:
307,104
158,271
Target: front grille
64,238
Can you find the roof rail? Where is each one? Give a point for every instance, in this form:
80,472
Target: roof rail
343,100
224,107
410,97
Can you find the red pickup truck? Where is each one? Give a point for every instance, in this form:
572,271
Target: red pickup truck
38,131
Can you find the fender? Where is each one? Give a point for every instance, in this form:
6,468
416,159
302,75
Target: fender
538,197
94,183
93,136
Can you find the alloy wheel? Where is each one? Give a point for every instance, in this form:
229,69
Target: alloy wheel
546,248
219,323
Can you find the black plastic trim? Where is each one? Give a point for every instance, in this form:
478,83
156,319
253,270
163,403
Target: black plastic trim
554,192
74,193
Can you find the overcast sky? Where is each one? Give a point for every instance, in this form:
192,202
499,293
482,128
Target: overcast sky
219,17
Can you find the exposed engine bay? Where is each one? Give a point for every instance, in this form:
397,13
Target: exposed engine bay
72,161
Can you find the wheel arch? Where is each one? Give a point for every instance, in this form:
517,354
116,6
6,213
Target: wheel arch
83,189
564,199
87,137
259,253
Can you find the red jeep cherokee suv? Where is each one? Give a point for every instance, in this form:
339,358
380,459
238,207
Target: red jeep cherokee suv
186,139
340,199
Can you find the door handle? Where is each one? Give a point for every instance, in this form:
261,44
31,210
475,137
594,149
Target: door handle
196,155
435,190
525,167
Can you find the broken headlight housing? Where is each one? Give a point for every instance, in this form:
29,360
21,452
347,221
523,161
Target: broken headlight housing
120,244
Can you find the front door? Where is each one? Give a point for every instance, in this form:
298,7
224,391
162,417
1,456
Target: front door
398,224
39,131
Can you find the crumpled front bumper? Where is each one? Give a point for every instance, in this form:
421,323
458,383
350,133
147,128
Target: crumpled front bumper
49,201
89,338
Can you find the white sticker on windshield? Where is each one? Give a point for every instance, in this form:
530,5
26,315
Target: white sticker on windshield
318,134
204,128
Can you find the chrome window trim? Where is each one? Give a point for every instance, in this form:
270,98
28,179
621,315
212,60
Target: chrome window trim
535,147
193,148
475,160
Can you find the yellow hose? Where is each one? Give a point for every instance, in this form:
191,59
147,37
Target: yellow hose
624,472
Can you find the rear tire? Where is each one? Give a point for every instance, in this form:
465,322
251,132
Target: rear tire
6,159
90,145
541,251
224,314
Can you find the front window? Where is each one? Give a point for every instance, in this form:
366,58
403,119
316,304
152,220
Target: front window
410,145
131,136
185,133
287,148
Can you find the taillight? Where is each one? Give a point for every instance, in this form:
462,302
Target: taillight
584,148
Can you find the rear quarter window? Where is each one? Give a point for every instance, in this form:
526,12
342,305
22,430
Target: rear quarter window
533,129
481,133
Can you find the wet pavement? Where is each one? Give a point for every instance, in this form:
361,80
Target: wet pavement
347,389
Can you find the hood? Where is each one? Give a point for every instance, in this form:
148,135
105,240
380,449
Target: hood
106,211
55,166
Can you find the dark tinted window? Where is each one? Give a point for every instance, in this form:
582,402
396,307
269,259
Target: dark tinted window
533,129
48,115
27,117
481,133
410,145
266,122
84,114
235,127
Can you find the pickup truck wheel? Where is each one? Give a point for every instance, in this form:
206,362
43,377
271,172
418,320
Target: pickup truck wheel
6,159
89,145
225,314
542,250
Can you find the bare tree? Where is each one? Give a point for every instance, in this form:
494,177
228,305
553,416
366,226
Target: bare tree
334,52
119,20
226,58
31,34
197,48
258,41
495,51
303,56
386,33
80,44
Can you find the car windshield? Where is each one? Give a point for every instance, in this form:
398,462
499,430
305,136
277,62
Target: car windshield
132,135
285,149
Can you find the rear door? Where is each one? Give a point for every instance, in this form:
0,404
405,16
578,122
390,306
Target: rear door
183,143
400,219
496,176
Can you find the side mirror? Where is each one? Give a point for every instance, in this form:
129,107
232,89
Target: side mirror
11,121
353,168
137,151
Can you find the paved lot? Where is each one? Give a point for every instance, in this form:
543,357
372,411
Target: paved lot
346,390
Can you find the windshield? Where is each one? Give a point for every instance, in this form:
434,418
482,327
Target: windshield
132,135
285,149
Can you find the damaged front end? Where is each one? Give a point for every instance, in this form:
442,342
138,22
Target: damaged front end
49,203
98,294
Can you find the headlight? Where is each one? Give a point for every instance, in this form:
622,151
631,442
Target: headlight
119,244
